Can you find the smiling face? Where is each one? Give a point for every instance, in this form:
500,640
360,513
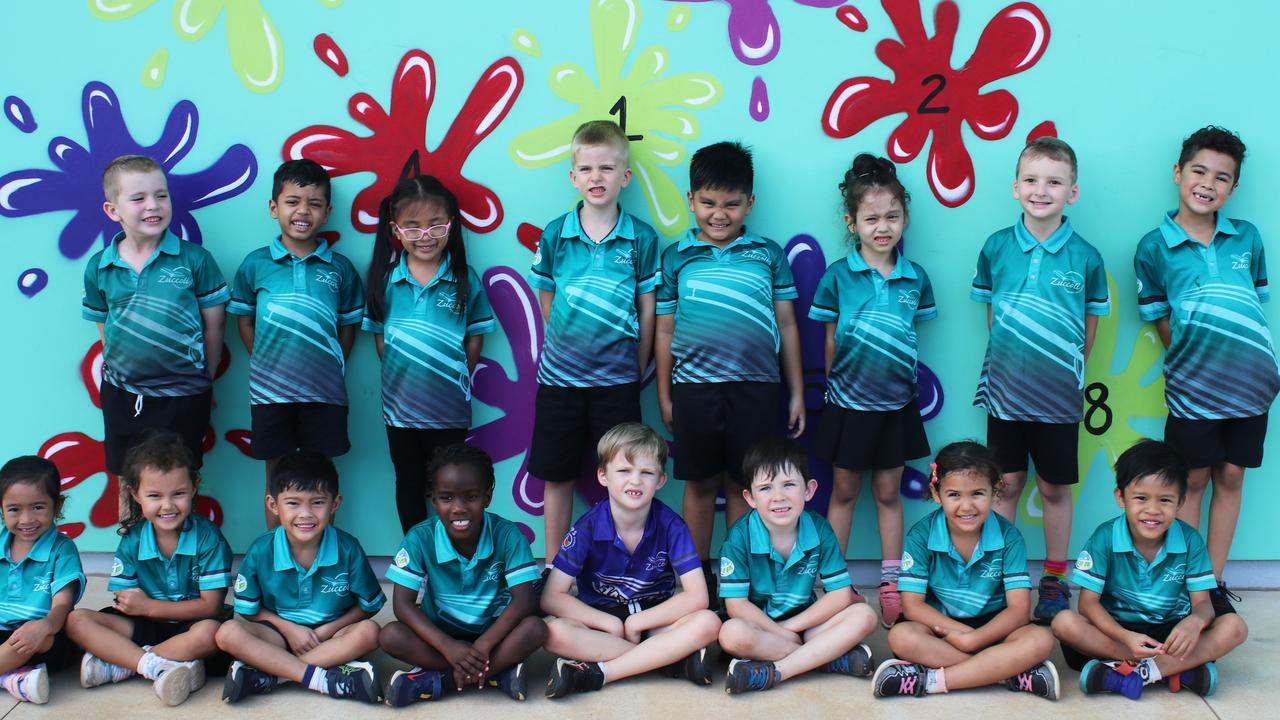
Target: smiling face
165,497
304,514
1044,187
599,173
28,511
1150,505
632,481
1205,182
720,213
965,497
141,204
780,498
415,219
460,496
300,210
878,224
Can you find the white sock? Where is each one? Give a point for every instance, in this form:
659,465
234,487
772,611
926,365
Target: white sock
935,681
1149,672
319,680
150,665
604,672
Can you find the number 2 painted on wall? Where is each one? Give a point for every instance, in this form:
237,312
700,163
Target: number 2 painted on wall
620,109
940,83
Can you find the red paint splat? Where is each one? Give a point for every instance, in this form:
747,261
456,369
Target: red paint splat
76,455
209,509
207,441
72,530
242,439
91,373
1044,129
330,54
224,362
330,236
106,511
397,145
528,235
936,97
852,18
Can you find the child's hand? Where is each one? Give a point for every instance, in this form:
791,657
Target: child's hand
302,639
795,416
1184,637
961,640
632,631
469,664
665,406
132,602
1142,646
26,640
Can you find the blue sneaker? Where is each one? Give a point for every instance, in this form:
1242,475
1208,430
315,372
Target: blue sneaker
1202,680
510,681
411,686
1055,596
856,662
243,681
747,675
1099,677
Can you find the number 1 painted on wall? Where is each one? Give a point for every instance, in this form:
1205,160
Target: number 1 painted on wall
620,109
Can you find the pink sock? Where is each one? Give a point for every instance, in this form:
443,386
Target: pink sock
1056,568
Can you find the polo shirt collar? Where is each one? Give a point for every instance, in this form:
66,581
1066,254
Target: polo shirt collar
1052,244
147,549
322,251
327,554
690,239
992,537
39,551
572,227
901,268
1174,235
762,544
400,273
169,245
1175,541
446,552
608,532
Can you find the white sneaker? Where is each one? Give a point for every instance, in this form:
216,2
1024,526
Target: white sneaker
95,671
197,673
33,686
173,685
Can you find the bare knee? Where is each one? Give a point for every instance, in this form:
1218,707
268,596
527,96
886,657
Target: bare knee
1228,478
1067,625
1233,630
704,624
365,635
904,639
737,636
1054,494
534,629
230,636
1198,480
845,487
205,632
1038,639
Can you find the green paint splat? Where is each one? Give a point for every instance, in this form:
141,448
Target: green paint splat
153,71
525,42
678,18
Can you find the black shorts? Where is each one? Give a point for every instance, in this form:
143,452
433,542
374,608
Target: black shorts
128,418
1053,447
1156,631
1205,443
411,453
715,424
63,653
153,632
568,422
870,440
978,620
281,428
276,630
622,611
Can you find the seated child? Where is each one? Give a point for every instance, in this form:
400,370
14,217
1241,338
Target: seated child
41,572
1145,579
966,594
305,594
475,624
769,563
626,554
169,578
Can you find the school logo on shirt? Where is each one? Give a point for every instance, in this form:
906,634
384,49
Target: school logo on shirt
569,539
625,257
493,573
1175,574
1241,261
328,278
179,277
537,256
449,301
656,562
334,585
402,558
1139,286
1085,561
1071,281
117,567
755,254
810,567
910,298
241,584
726,567
42,583
990,571
908,562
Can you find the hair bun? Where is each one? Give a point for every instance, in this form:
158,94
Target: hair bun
869,167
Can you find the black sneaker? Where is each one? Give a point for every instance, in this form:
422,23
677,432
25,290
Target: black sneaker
570,676
353,680
1202,680
1222,598
713,591
694,668
411,686
899,677
747,675
510,681
856,662
243,681
1041,680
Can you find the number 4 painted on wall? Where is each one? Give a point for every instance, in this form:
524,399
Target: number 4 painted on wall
620,109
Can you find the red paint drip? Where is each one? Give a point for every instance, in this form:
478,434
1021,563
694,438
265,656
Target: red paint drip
71,530
91,373
330,54
76,455
528,235
242,439
330,236
106,511
852,18
209,509
1044,129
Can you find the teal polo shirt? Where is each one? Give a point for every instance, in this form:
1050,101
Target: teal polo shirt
931,566
1221,362
781,587
30,584
297,304
425,380
593,333
874,367
201,561
463,596
153,331
340,577
722,299
1134,590
1039,293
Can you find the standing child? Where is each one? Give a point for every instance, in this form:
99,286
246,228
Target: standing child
42,576
428,314
169,579
298,303
870,302
1202,279
1044,288
595,269
305,595
770,562
626,554
1144,583
718,389
475,623
966,593
159,302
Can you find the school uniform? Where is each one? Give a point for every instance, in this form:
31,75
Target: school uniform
52,564
781,586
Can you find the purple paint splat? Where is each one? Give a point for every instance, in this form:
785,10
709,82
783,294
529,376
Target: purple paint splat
19,113
759,100
526,531
914,484
32,281
754,34
928,392
76,183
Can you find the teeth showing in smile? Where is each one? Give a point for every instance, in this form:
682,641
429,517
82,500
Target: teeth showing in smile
460,524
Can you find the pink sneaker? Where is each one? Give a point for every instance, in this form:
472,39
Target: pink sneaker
890,604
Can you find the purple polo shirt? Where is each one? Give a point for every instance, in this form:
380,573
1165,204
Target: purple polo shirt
608,574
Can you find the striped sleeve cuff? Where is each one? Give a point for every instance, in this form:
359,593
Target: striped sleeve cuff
822,314
924,312
540,281
371,326
1201,581
373,604
522,574
351,317
481,326
1017,581
785,292
1153,308
215,581
836,581
404,578
1097,307
734,588
93,314
1088,580
649,284
247,607
913,584
240,307
665,307
980,294
214,297
121,582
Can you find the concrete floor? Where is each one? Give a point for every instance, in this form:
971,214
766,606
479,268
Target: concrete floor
1242,693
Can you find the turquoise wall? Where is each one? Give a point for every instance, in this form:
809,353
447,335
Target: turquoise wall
223,90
